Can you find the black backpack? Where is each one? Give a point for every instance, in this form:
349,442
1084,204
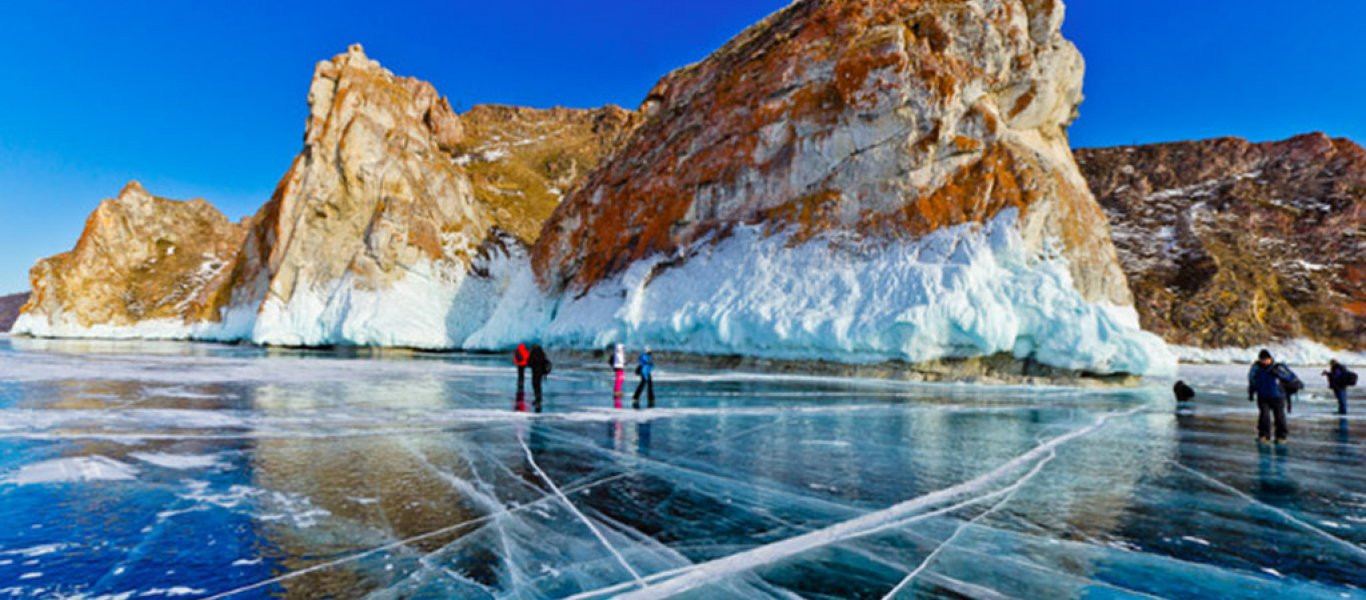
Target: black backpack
1293,386
1349,378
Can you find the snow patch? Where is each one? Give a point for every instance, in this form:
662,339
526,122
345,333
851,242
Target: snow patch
177,461
61,470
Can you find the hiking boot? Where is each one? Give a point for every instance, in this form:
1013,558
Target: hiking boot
1280,441
1263,440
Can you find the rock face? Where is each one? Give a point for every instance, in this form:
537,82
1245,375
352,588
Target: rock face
372,235
144,266
522,161
1231,243
875,179
9,309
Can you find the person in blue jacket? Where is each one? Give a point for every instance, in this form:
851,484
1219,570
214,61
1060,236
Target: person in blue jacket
1266,380
645,370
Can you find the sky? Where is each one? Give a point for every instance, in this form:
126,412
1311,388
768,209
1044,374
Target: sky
208,98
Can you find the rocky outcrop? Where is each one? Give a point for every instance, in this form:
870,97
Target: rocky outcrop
1231,243
374,233
905,162
9,309
521,161
144,266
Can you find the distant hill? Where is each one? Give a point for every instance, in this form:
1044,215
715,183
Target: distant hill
1231,243
9,309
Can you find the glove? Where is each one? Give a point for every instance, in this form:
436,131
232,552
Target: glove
1249,397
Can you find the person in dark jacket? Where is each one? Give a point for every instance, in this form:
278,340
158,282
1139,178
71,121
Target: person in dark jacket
540,367
646,371
1183,392
1337,381
1264,382
519,358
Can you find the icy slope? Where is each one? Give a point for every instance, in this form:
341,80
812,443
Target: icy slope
968,290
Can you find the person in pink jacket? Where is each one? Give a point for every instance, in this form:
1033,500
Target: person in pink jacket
618,363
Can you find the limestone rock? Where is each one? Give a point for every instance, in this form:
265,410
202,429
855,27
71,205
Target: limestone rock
522,161
910,160
377,235
141,261
1228,243
886,120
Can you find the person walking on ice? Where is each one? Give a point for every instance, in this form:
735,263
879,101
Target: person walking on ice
1268,381
519,358
1339,379
647,380
618,363
540,368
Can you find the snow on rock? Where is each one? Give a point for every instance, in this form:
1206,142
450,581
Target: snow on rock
1230,244
1297,352
852,180
968,290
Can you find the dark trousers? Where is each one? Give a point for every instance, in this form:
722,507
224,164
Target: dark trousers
645,383
1341,395
536,385
521,377
1266,409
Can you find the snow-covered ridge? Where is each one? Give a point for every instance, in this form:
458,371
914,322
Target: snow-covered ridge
1298,352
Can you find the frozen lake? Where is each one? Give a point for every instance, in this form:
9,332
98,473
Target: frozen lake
190,470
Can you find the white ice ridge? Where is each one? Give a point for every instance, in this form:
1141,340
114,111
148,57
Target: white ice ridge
968,290
689,578
1293,352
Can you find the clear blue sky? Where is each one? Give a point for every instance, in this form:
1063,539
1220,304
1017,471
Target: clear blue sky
207,98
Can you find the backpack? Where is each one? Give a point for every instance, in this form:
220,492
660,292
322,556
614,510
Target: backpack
1293,386
1349,378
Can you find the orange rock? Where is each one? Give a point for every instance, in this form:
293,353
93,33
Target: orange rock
140,258
885,119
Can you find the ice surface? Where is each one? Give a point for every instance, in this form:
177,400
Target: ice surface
245,472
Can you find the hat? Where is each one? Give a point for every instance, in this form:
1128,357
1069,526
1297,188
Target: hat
1264,354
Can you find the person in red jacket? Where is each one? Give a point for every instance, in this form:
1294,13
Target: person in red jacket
520,356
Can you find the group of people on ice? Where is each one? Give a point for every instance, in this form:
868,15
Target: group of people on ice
535,359
1273,386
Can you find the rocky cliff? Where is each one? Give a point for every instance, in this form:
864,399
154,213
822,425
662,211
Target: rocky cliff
9,309
382,230
865,179
144,266
522,161
1231,243
395,225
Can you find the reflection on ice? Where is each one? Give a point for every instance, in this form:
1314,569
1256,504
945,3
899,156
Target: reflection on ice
239,472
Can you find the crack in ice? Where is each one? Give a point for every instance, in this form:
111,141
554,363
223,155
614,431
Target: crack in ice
1010,493
1278,511
701,574
574,509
